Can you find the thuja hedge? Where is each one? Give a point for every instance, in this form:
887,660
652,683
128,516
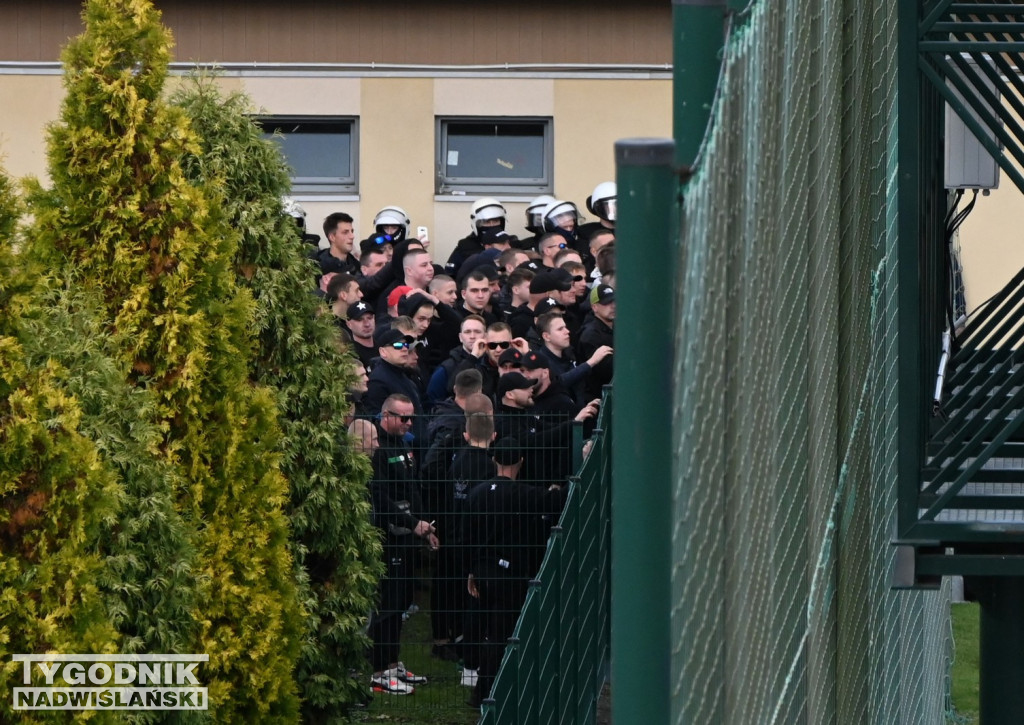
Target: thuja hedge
298,356
55,496
174,471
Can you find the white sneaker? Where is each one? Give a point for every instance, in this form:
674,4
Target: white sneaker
387,682
468,677
405,676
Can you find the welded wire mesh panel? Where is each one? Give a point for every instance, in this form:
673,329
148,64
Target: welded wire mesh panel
465,521
786,377
557,661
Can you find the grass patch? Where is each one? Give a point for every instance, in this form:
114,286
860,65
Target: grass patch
442,701
966,660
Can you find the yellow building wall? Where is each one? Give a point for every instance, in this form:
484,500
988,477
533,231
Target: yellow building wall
396,134
27,104
594,114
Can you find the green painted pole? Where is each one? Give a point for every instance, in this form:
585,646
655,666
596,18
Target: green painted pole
698,35
641,457
1001,679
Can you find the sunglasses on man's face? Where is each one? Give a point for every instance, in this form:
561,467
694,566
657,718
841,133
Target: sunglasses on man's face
402,418
383,239
496,345
578,278
400,345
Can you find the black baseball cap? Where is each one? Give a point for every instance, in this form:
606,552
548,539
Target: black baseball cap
391,336
534,361
510,357
375,242
513,381
358,309
602,294
546,305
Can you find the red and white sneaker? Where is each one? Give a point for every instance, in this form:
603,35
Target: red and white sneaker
387,682
405,676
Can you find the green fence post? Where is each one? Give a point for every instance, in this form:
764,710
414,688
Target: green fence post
698,34
641,483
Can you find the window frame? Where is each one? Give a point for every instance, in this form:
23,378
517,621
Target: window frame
446,186
320,184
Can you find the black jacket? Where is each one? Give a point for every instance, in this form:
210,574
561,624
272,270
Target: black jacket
387,379
565,370
394,490
464,249
507,525
595,334
329,263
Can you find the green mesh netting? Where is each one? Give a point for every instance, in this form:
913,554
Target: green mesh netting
786,406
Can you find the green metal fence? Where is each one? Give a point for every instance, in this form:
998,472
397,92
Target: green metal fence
557,660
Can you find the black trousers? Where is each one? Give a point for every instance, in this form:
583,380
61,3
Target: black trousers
501,600
395,593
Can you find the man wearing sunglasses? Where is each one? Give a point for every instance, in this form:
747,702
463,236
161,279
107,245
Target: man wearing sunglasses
396,373
548,246
487,351
397,510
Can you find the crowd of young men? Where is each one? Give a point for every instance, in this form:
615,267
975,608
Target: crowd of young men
471,375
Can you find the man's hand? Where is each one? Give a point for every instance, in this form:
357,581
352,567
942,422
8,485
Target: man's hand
471,587
599,354
427,531
521,345
479,348
589,410
426,294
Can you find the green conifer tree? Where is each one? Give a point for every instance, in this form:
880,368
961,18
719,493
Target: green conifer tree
55,495
298,356
122,220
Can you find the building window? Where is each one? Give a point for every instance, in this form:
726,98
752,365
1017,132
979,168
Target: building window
494,155
322,152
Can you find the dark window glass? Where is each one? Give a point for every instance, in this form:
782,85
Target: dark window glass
321,153
494,155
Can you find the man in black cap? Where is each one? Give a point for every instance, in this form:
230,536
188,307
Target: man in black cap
550,398
510,361
396,372
359,324
597,333
545,439
506,526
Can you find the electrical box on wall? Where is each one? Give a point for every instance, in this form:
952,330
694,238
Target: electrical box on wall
969,164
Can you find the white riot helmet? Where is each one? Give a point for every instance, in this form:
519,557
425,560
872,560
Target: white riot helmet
293,209
602,201
535,213
558,214
392,216
486,209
